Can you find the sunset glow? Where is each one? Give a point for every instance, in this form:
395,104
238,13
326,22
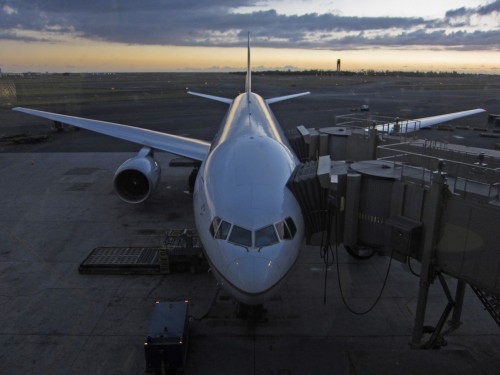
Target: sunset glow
449,37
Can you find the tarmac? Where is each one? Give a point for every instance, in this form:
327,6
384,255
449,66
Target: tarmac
57,204
177,113
56,207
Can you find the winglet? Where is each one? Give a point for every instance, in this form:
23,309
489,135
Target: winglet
248,88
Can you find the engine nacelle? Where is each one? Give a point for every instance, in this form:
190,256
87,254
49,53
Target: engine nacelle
135,179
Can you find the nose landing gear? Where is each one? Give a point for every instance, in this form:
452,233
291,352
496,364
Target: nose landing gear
256,313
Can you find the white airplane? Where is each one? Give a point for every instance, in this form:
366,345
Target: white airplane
249,222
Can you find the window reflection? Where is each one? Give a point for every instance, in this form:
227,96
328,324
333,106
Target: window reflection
241,236
223,230
286,229
283,231
265,236
214,226
219,229
291,226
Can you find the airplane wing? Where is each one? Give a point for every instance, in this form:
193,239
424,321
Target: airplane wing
182,146
407,126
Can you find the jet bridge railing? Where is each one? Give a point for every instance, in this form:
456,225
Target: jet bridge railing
445,150
468,180
466,188
399,127
383,124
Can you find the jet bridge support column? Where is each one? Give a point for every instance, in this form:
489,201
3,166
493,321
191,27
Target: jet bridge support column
459,301
431,217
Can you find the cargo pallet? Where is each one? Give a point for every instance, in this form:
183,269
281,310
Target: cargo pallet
181,251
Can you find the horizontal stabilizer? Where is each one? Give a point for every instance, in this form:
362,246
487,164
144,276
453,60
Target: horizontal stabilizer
281,98
182,146
212,97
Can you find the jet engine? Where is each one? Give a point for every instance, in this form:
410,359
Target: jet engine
135,179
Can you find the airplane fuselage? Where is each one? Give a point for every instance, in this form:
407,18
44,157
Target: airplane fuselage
249,222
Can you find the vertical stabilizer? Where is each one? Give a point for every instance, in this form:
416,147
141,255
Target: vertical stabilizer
248,88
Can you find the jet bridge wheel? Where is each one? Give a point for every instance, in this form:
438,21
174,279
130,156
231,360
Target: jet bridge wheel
362,252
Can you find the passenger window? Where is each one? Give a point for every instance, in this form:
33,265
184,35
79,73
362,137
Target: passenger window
241,236
265,236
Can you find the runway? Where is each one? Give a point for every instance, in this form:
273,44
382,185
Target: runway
57,206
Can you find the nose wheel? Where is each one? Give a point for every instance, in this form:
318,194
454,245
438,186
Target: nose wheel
360,252
251,312
192,178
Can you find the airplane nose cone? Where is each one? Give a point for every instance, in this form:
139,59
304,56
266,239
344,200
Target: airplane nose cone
253,274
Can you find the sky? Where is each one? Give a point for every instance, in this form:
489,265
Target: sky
210,35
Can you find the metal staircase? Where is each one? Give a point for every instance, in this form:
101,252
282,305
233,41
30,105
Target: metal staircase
490,302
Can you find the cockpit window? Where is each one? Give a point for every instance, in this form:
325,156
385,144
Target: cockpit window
220,228
223,231
283,231
214,226
241,236
286,229
291,226
265,236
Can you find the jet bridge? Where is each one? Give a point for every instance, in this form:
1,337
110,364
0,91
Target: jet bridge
354,137
438,207
340,143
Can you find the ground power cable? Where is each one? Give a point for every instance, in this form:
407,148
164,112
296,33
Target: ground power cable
326,248
379,295
344,301
410,267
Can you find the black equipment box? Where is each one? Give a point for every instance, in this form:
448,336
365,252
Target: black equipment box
403,235
166,345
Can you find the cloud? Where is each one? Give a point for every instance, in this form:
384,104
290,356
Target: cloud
12,35
490,8
8,10
481,10
458,40
213,23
